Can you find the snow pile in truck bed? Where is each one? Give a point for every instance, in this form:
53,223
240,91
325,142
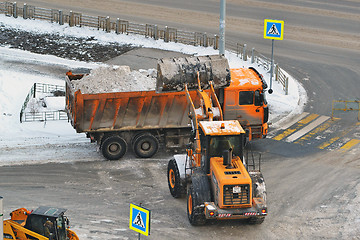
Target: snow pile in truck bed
116,79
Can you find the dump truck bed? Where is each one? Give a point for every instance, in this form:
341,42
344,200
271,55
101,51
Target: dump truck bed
125,111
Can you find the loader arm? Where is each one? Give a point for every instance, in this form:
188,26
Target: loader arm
208,105
16,231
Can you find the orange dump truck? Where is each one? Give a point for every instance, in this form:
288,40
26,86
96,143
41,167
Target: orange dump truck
143,119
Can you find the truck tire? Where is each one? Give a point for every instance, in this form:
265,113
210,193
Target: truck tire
175,186
198,193
145,145
113,147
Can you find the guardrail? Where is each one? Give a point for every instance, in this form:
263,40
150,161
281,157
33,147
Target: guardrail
46,115
119,26
343,105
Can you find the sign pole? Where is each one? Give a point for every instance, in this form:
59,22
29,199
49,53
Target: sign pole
272,66
222,27
1,219
273,29
139,233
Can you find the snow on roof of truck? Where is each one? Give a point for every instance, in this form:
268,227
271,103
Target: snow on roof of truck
246,78
218,128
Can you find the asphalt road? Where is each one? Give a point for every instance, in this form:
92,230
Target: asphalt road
312,194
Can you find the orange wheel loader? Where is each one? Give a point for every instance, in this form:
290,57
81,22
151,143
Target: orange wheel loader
42,224
213,172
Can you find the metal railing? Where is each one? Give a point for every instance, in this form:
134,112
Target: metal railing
119,26
46,115
343,105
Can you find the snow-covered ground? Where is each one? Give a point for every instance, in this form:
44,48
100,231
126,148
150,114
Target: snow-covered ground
15,83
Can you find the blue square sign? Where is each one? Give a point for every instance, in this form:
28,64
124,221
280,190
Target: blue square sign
139,219
273,29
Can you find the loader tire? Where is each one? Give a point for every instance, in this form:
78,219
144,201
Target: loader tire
258,185
198,193
195,213
113,147
256,220
145,145
175,186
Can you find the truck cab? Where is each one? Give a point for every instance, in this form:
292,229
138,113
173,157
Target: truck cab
245,100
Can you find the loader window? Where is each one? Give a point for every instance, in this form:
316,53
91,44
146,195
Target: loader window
246,97
220,143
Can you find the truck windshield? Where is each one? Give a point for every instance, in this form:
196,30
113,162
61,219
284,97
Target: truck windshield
246,97
218,144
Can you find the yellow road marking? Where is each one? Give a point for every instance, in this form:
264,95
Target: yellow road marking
321,128
332,140
301,123
350,144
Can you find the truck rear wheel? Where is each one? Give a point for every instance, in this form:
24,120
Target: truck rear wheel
174,182
113,147
145,145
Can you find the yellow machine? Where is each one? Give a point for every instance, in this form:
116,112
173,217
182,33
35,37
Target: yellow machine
213,172
42,224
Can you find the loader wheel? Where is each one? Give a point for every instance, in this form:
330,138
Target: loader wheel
195,213
145,145
256,220
113,147
174,182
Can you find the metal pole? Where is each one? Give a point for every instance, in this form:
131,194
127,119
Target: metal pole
1,219
222,27
272,66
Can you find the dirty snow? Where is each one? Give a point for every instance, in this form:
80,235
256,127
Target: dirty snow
108,79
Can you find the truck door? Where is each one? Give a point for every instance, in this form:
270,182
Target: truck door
245,106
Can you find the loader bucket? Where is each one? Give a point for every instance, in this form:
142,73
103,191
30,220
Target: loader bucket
173,73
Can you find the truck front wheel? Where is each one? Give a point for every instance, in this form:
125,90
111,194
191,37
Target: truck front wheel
145,145
113,147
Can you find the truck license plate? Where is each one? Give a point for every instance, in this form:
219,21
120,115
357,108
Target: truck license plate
237,189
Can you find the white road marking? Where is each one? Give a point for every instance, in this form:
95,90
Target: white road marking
295,120
306,129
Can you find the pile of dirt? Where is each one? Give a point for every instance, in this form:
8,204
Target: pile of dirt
82,49
116,79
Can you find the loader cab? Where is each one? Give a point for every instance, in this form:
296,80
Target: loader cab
49,222
218,137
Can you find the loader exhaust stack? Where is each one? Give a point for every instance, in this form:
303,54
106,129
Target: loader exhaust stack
173,73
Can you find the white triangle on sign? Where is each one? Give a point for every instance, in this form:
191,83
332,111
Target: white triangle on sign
273,30
138,221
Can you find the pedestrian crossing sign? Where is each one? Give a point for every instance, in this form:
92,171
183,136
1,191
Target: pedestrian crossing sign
273,29
139,219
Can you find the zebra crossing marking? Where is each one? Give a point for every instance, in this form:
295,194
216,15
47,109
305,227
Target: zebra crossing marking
350,144
307,129
317,130
301,123
334,139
